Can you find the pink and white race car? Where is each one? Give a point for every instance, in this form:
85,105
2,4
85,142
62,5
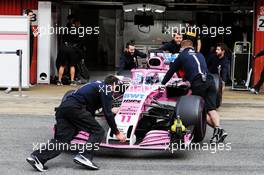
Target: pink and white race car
154,116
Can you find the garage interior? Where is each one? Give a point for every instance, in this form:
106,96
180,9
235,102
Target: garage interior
117,26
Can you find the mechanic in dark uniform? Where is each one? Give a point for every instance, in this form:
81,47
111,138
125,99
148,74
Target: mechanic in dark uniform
76,114
128,59
202,84
257,87
174,45
71,53
219,63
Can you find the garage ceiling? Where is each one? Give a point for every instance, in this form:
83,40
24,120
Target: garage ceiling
218,5
208,2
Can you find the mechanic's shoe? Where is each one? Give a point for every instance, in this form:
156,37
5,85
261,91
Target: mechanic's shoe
216,136
31,85
87,163
35,163
254,91
73,83
223,135
59,83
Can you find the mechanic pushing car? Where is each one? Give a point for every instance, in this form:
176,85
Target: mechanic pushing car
202,84
75,114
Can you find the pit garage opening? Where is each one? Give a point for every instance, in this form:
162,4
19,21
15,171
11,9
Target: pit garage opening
111,24
150,25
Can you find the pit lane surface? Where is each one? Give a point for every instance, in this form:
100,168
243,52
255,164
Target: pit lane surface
19,132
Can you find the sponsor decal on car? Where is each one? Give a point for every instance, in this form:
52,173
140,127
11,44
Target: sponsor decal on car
126,113
133,96
131,101
129,111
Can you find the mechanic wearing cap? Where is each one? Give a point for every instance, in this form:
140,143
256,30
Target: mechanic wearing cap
174,45
202,84
128,59
76,114
191,33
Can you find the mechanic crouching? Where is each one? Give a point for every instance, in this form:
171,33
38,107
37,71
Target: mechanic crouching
202,84
76,114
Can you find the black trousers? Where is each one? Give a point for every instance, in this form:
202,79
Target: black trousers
260,82
206,90
69,56
70,119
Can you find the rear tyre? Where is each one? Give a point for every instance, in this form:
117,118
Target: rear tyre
191,111
218,86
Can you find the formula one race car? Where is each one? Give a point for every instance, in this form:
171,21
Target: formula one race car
154,116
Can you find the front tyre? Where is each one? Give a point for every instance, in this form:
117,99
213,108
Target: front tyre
191,111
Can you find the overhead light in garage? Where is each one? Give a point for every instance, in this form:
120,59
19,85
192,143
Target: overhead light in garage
128,10
147,9
238,11
143,14
144,8
159,11
140,9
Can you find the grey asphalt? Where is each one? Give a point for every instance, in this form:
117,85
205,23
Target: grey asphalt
19,132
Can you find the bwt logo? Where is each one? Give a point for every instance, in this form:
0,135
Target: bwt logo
134,96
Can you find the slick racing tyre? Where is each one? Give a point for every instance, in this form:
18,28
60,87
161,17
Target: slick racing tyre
218,86
190,108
